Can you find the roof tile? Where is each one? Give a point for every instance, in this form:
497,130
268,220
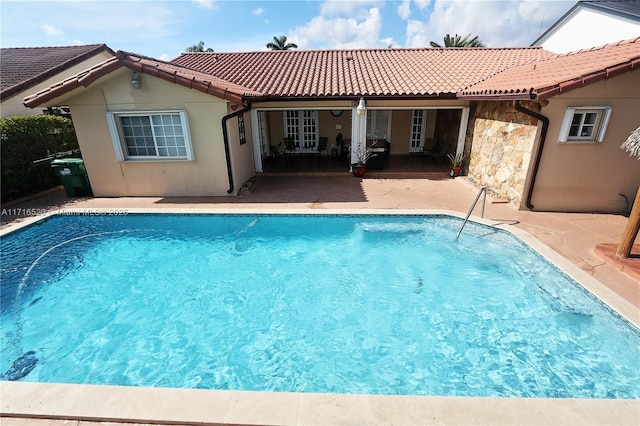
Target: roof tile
23,67
559,73
366,72
161,69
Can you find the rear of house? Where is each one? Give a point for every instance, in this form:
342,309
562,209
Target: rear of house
205,123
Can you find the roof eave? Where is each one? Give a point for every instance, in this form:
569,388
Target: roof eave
567,86
499,97
191,83
123,59
351,97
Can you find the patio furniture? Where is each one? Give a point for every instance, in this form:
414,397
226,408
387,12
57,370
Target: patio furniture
277,150
322,145
290,146
381,150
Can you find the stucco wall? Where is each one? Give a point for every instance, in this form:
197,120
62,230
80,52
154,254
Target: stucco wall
14,105
502,141
588,176
572,177
206,175
241,155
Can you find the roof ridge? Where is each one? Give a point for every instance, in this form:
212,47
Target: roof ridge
172,64
603,46
372,49
56,47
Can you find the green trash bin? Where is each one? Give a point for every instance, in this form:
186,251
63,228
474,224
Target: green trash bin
73,175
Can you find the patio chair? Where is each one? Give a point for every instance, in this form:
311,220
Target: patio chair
277,150
290,147
441,153
322,145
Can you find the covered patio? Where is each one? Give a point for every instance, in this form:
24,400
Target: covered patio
418,166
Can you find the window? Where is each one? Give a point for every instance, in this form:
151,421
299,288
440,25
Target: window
241,131
158,135
378,124
584,124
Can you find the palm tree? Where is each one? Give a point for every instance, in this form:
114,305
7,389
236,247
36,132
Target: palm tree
199,48
280,43
458,41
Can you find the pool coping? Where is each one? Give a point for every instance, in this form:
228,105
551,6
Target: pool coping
171,406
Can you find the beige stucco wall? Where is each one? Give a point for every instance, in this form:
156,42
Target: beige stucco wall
573,177
588,176
206,175
14,105
502,141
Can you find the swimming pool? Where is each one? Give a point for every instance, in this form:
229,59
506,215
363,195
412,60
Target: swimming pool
305,303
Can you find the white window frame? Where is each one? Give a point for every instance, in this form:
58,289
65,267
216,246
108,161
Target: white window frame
599,129
418,130
302,126
379,124
117,137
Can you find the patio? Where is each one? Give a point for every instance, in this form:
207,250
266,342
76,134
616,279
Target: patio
415,166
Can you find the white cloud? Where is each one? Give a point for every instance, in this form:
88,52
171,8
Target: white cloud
205,4
258,11
404,9
422,4
388,42
358,9
340,33
512,22
52,31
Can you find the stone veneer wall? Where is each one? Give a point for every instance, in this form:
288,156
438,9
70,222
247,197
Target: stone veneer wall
501,141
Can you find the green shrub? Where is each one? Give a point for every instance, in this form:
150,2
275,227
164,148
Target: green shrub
25,140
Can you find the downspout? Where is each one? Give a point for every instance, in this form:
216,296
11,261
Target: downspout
538,156
225,137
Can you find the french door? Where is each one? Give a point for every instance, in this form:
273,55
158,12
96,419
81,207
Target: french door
301,125
263,134
418,127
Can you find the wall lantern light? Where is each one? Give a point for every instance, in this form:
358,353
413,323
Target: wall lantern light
136,83
362,108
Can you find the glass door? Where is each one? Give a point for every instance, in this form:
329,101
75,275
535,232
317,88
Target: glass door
418,126
301,126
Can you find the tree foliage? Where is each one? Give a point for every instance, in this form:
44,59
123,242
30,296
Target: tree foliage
458,41
24,140
280,43
199,48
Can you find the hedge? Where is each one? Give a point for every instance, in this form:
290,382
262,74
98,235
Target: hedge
25,140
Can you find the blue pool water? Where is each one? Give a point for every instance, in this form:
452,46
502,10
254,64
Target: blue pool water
349,304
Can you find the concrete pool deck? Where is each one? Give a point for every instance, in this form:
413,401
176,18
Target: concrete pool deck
570,235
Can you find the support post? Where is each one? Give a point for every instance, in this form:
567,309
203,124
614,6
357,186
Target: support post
630,231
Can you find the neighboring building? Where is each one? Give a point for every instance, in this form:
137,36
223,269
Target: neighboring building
26,70
539,129
592,23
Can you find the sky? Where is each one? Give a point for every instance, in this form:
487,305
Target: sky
164,29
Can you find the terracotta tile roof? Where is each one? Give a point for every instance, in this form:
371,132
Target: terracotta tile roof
23,67
161,69
353,73
559,73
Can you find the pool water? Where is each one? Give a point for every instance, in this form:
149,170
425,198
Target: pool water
333,304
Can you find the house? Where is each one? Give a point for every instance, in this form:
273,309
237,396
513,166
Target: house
592,23
27,70
540,129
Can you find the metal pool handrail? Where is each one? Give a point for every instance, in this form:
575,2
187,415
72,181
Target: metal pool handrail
473,205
